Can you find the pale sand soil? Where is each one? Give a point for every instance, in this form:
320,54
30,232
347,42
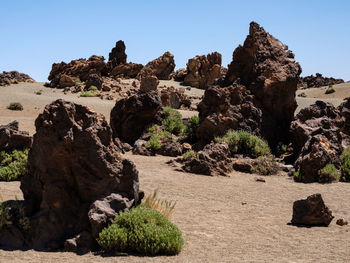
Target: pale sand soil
217,227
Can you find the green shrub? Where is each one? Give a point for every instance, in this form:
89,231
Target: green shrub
191,128
154,142
142,230
330,90
244,142
172,121
39,92
345,165
77,80
15,106
189,155
297,176
265,165
328,174
91,92
13,165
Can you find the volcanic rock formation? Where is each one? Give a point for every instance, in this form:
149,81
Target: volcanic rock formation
175,98
128,70
318,81
117,56
202,71
75,174
162,67
130,116
14,77
11,138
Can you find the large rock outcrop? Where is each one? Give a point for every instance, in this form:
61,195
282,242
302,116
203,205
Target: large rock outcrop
162,67
268,69
202,71
63,75
344,109
11,138
311,212
14,77
130,116
318,81
117,55
128,70
317,139
75,174
232,107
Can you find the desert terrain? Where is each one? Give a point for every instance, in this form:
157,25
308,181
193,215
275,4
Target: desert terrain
223,219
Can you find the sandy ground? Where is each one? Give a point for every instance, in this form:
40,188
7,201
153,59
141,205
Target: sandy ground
223,219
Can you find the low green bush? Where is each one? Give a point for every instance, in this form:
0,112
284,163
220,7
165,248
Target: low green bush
158,134
77,80
191,128
330,90
345,165
189,155
244,142
265,165
142,230
90,92
328,174
172,121
15,106
297,176
154,142
13,165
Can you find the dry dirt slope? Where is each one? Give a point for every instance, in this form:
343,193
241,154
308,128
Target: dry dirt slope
229,219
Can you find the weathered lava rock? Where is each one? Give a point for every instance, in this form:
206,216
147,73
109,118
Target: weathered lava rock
128,70
94,80
73,163
311,212
202,71
117,55
130,116
11,138
161,67
317,139
318,81
149,83
175,98
14,77
268,69
344,109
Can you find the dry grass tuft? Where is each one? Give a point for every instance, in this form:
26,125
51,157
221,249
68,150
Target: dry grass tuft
165,207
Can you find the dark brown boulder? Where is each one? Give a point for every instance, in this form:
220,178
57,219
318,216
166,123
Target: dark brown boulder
94,80
344,109
72,164
317,139
128,70
130,116
14,77
174,98
149,83
311,212
268,69
162,67
11,138
202,71
180,74
80,68
117,55
222,109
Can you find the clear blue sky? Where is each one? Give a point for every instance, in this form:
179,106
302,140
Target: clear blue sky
37,33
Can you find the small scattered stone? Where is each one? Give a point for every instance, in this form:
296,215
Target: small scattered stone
341,222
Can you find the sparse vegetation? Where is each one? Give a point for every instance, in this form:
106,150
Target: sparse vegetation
91,92
244,142
39,92
13,165
142,230
345,165
329,90
189,155
77,80
265,165
328,174
165,207
172,121
297,176
191,128
158,134
15,106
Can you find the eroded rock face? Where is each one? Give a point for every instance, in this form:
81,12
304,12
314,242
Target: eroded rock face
202,71
80,68
72,164
311,212
11,138
117,55
317,139
318,81
161,67
14,77
268,69
232,107
130,116
149,83
128,70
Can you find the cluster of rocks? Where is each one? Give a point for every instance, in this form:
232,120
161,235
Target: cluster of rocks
320,133
317,81
12,138
77,182
175,98
201,71
14,77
